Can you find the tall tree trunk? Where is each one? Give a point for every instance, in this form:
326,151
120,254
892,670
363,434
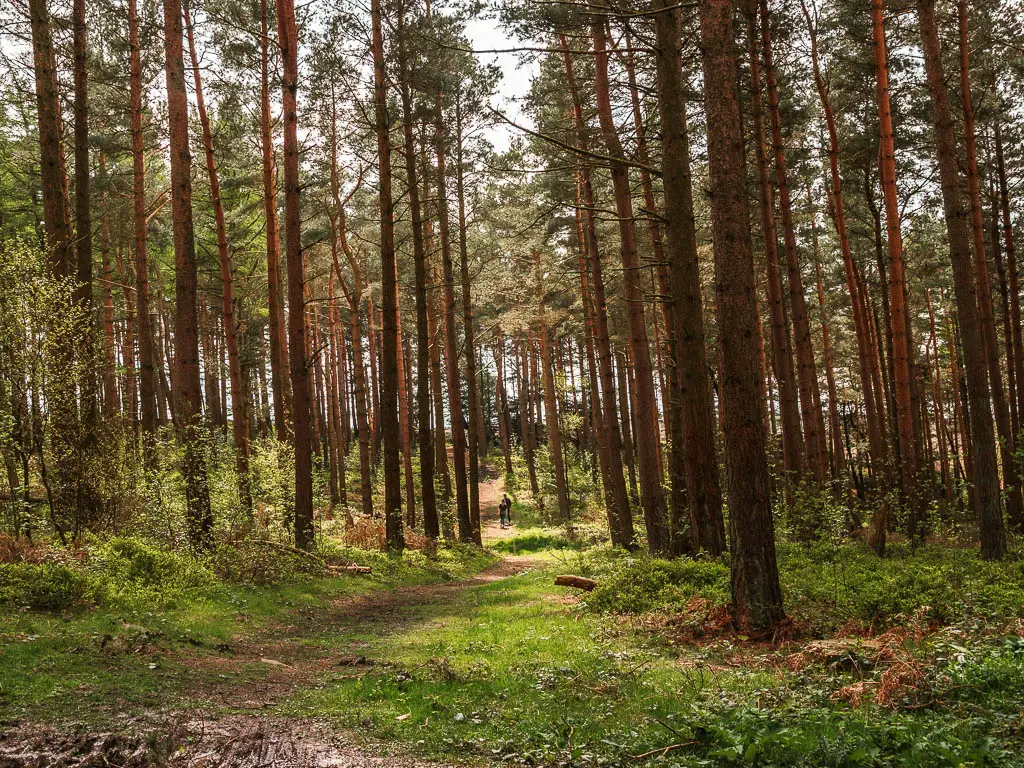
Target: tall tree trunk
900,362
87,498
614,479
690,389
239,398
390,372
837,210
472,385
985,475
757,595
1009,243
451,347
187,399
782,353
807,376
147,355
652,495
279,376
425,441
288,40
1007,438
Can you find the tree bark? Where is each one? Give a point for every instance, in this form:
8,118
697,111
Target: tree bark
279,376
652,495
782,353
425,441
900,362
985,477
691,388
287,38
615,481
807,376
239,398
187,397
837,209
1004,430
757,595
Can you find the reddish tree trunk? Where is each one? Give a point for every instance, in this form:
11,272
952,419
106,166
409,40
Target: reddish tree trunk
187,397
279,376
807,376
837,209
239,398
894,240
614,479
652,495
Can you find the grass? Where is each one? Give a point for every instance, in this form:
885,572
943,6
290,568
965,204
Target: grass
125,651
519,671
509,670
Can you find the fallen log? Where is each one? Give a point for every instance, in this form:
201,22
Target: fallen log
580,582
354,569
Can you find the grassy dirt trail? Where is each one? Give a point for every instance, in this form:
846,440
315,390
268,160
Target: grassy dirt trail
232,710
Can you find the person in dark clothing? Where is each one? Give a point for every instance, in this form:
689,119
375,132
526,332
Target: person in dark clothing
502,509
508,507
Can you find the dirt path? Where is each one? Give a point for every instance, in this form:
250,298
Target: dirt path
491,491
190,739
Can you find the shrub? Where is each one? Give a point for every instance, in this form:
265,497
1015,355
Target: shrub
131,571
636,584
253,562
44,586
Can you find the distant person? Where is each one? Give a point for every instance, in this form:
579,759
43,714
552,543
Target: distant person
508,507
502,510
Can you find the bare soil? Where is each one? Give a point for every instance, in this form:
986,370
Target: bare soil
235,741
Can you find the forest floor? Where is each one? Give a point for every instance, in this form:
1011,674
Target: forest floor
219,707
492,664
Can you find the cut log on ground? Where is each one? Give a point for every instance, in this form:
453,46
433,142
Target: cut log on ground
352,569
580,582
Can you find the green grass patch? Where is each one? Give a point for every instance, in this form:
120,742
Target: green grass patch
536,541
111,630
509,671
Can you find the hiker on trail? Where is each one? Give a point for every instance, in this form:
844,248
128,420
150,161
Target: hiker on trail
507,506
502,508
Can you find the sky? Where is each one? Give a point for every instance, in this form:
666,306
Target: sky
487,34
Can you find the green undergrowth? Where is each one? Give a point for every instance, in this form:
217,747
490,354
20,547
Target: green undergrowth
512,672
824,586
108,627
536,541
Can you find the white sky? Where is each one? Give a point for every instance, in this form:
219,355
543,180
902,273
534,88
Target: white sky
487,34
